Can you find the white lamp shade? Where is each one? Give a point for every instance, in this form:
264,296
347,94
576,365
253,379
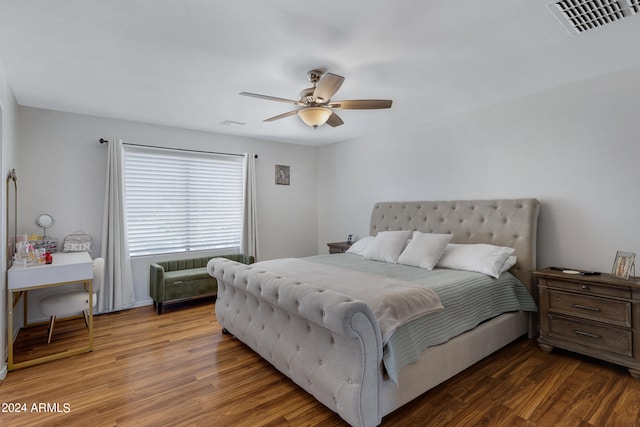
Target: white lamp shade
315,116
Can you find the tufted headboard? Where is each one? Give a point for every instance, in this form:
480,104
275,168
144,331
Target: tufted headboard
504,222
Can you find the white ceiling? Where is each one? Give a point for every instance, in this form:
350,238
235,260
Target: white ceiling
182,63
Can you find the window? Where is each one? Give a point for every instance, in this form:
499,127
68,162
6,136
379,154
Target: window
178,200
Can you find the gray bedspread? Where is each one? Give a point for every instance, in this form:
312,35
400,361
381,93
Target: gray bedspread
468,299
394,302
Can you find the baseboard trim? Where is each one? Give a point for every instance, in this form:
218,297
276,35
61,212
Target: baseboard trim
143,303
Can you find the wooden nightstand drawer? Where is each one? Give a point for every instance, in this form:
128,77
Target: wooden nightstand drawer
595,289
610,339
614,312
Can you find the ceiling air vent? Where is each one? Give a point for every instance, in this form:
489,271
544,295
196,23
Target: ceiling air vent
578,16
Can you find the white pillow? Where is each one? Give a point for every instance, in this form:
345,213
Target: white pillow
424,250
481,258
510,262
360,246
387,246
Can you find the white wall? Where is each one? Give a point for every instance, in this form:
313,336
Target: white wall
575,148
8,144
62,172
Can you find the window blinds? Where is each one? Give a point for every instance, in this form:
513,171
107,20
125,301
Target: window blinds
178,201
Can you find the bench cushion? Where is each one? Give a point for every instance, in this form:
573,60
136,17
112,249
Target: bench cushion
171,277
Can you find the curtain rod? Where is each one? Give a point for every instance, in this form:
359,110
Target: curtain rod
102,141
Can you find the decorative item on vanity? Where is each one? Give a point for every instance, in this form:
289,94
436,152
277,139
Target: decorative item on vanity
44,221
623,264
48,243
78,241
33,249
28,254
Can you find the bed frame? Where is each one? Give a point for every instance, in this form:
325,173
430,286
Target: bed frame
330,345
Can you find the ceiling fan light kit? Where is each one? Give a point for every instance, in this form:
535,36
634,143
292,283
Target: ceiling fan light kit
317,108
315,116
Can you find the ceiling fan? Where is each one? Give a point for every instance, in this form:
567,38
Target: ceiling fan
317,107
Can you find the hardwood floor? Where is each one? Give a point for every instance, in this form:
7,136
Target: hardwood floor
178,369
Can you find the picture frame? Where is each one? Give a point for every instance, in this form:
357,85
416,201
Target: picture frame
623,264
283,175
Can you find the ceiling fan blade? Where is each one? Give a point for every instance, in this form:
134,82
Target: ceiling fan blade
362,104
271,98
281,116
327,87
334,120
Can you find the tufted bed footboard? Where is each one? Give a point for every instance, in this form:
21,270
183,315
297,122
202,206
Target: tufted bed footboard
327,343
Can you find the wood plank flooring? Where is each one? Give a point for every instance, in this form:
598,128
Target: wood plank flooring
177,369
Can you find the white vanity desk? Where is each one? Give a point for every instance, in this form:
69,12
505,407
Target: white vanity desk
66,268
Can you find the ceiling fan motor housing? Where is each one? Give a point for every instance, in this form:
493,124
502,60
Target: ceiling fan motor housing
314,76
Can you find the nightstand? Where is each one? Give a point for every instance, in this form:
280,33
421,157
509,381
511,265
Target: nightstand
598,316
338,247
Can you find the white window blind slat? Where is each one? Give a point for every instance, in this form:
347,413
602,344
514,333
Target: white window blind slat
179,201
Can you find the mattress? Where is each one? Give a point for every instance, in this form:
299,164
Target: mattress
468,298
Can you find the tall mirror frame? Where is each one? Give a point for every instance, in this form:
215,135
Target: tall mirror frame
12,215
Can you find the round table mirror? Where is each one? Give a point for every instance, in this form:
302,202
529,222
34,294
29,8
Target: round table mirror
44,221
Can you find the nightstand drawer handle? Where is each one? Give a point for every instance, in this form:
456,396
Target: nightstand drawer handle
586,334
584,307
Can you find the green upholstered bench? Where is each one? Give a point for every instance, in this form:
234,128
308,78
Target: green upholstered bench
180,280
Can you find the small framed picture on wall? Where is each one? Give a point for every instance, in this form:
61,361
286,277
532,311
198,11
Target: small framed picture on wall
623,264
282,175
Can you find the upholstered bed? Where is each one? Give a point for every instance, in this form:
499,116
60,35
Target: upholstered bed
331,343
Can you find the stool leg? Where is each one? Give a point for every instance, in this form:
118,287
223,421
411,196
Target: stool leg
86,318
52,322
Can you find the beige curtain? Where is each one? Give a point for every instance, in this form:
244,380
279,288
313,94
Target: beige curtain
117,292
249,243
